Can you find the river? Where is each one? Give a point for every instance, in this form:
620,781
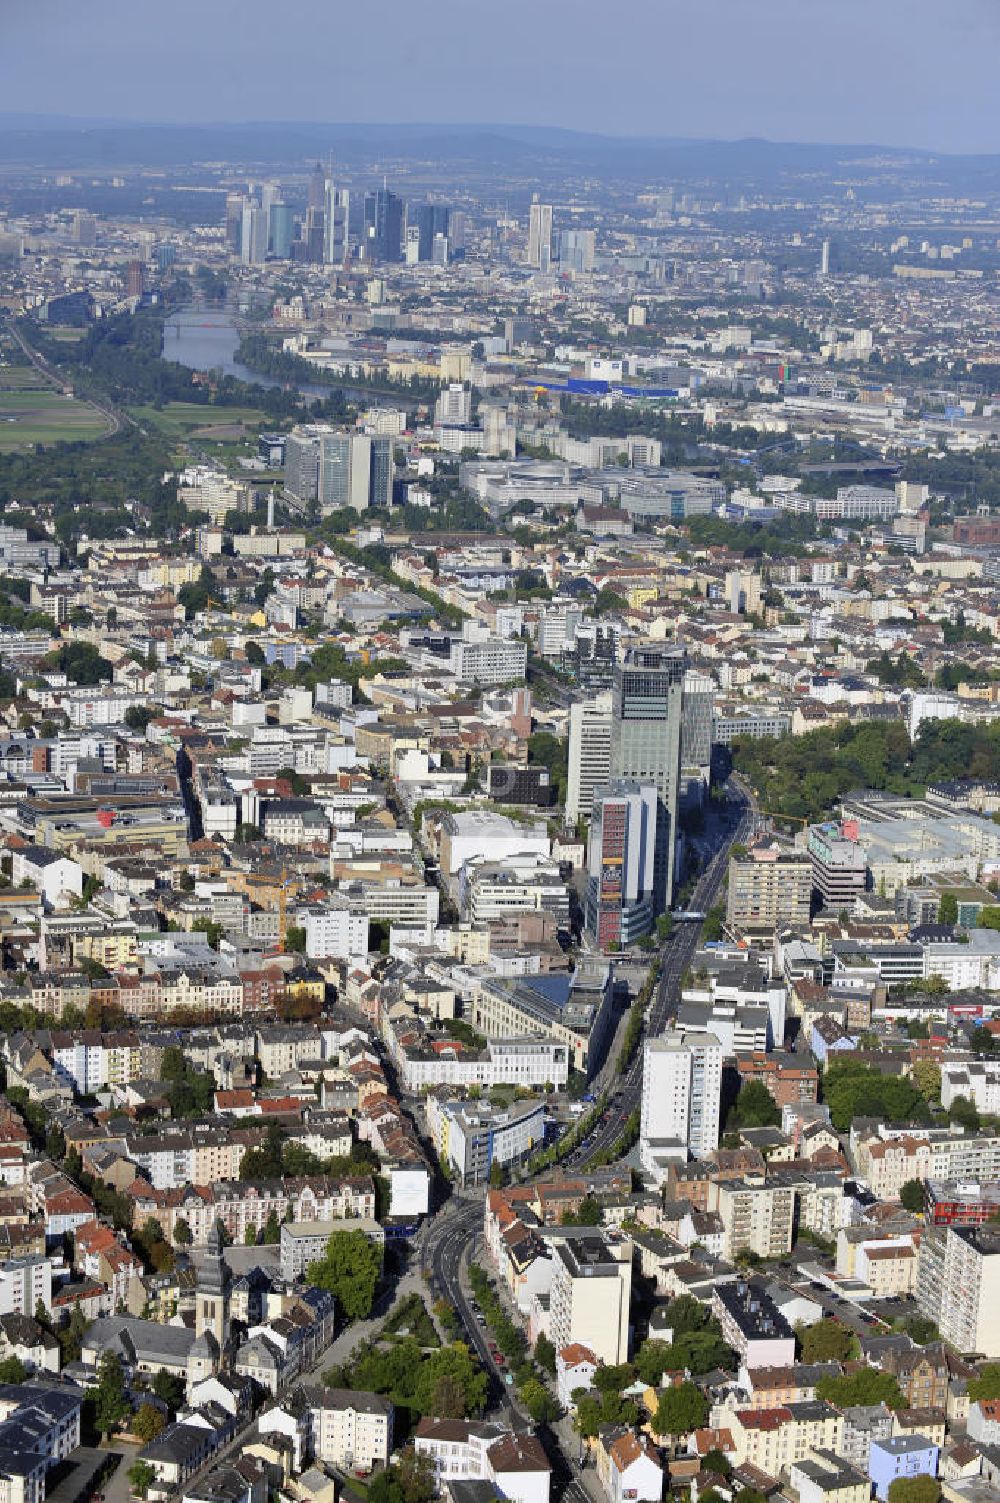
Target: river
206,339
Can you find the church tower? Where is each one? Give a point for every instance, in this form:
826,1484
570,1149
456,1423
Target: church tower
212,1292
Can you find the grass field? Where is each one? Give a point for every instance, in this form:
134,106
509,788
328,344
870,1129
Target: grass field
187,419
45,417
22,378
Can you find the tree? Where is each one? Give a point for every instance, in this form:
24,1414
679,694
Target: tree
681,1409
169,1388
867,1386
965,1113
986,1383
349,1270
754,1107
948,909
914,1490
141,1476
927,1079
827,1341
295,940
182,1232
911,1196
545,1354
539,1403
137,717
588,1213
497,1175
250,1237
272,1229
981,1039
111,1407
718,1462
12,1370
653,1359
147,1422
450,1383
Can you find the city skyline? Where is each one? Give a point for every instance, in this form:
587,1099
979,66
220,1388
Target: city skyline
904,75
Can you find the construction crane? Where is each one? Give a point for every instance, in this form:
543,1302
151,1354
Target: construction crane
774,814
283,910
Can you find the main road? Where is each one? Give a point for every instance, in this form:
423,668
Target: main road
675,961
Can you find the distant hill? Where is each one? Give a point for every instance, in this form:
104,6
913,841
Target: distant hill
39,141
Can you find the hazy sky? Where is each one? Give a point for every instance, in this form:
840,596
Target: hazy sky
906,72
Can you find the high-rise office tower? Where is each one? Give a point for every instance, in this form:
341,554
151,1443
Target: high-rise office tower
646,740
621,863
317,188
589,754
336,210
824,259
84,227
383,232
314,235
271,193
355,470
698,707
134,279
540,235
234,221
253,238
681,1093
431,220
280,224
577,249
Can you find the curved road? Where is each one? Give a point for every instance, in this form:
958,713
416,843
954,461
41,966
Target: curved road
115,419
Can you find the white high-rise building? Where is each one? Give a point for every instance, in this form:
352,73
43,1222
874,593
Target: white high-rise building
253,234
681,1094
336,206
589,754
540,236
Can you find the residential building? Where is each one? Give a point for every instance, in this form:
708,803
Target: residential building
681,1094
769,886
590,1294
900,1456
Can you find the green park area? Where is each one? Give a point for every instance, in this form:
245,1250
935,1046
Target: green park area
181,420
42,416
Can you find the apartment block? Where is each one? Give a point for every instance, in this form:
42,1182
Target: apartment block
590,1294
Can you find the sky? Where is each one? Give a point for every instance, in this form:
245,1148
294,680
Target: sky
899,72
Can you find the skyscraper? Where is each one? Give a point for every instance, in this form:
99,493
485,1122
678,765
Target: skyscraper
621,863
431,220
577,249
253,237
280,224
540,235
681,1094
234,221
383,233
646,740
589,754
336,208
317,187
355,470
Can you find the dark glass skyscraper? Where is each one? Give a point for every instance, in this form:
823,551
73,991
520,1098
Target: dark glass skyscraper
383,237
431,220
